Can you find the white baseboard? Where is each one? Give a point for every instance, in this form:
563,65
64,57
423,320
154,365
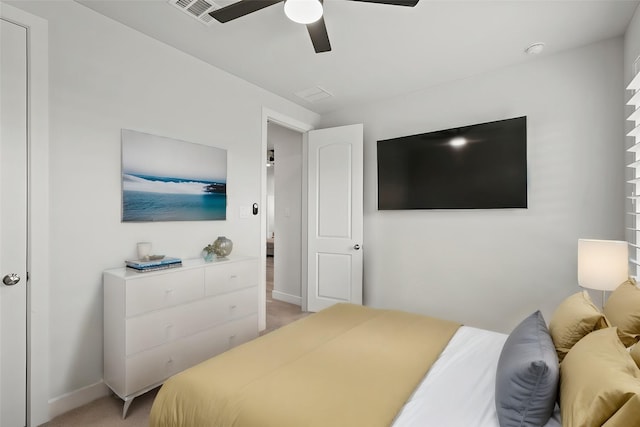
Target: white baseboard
61,404
281,296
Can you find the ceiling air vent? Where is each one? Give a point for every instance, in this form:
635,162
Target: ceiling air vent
198,9
313,94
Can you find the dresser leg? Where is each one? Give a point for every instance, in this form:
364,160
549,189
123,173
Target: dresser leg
127,403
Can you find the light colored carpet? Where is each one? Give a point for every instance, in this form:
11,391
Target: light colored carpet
107,411
279,313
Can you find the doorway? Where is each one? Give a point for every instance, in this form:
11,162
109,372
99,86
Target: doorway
332,189
284,207
274,117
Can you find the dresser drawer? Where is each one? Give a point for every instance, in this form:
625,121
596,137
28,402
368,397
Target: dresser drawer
157,291
158,364
239,331
230,276
153,366
156,328
223,337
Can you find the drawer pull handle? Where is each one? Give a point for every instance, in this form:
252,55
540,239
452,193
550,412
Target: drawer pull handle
233,276
233,306
170,361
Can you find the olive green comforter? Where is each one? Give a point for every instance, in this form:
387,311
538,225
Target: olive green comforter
345,366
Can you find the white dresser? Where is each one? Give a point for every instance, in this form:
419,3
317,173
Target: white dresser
159,323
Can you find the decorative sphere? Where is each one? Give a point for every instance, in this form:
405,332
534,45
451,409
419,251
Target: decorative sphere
222,247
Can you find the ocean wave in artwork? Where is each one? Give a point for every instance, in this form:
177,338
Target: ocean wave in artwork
147,184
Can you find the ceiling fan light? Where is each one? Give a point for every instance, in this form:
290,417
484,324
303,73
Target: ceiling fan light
303,11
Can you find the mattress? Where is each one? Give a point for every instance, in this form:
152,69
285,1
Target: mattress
459,389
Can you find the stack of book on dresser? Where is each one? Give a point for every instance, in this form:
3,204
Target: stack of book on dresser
154,263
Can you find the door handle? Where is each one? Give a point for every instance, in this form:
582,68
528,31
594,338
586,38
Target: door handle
356,247
11,279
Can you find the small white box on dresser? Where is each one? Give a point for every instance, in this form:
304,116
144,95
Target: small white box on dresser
159,323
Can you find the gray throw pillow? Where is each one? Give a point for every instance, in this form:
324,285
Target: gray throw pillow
528,375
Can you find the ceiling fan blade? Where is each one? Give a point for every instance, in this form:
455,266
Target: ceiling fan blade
409,3
319,36
240,9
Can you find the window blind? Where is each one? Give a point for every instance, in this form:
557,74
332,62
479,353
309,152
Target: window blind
633,182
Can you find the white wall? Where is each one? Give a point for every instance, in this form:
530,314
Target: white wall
105,77
632,47
288,213
490,268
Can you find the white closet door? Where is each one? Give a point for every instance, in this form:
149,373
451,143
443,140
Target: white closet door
13,224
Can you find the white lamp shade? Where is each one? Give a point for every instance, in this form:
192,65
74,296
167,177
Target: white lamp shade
303,11
602,264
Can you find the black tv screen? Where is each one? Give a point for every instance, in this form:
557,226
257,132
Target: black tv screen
482,166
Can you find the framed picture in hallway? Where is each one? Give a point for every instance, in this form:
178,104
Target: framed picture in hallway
165,179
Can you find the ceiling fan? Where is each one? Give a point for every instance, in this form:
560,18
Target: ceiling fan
308,12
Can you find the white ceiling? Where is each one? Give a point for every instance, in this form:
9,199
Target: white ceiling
379,51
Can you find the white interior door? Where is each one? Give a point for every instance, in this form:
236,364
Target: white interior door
334,216
13,224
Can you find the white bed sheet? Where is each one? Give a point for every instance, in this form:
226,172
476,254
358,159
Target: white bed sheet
459,389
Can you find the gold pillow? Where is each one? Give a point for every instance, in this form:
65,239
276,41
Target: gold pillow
635,354
623,311
574,318
599,383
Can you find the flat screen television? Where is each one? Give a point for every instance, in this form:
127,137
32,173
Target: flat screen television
482,166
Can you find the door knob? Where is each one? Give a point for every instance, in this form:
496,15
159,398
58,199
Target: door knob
356,247
11,279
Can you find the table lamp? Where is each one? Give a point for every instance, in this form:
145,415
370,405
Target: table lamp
602,264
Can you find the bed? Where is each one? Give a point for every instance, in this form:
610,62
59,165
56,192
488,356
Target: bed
357,366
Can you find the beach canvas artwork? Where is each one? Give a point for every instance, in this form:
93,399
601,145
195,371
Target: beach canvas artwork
165,179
